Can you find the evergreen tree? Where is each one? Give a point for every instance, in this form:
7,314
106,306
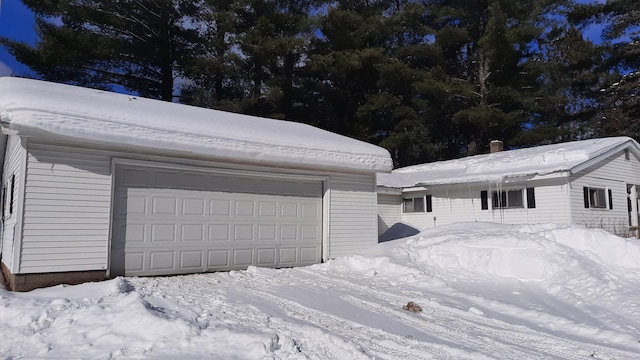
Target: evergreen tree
138,45
255,57
617,97
342,64
213,78
488,69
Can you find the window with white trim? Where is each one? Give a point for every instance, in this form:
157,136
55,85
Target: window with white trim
413,204
597,198
507,199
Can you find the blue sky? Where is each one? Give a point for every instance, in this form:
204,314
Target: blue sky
17,22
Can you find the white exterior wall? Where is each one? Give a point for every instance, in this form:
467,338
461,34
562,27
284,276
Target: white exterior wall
13,165
453,204
613,173
66,210
389,211
353,214
68,207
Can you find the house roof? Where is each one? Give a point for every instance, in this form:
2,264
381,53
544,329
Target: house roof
510,165
39,108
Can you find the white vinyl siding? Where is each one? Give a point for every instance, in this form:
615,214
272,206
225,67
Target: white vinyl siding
14,155
66,209
453,204
352,226
388,211
68,206
612,173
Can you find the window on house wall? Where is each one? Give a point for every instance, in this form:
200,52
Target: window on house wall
413,204
596,198
507,199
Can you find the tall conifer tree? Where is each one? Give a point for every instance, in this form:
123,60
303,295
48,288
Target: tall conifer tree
138,45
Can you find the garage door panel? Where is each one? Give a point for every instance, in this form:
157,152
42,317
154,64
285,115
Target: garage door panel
135,233
163,232
172,221
289,209
268,209
310,232
219,233
288,232
242,232
218,259
309,255
134,261
244,208
192,232
266,257
268,233
191,259
193,207
135,204
242,257
220,207
161,260
310,211
163,205
288,255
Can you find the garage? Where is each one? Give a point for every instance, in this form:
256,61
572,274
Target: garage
105,184
172,221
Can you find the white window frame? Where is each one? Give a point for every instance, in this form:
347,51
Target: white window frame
496,197
413,202
594,191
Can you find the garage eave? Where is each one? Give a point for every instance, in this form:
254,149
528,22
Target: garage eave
56,111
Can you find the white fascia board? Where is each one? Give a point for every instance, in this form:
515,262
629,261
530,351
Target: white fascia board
626,145
388,191
414,189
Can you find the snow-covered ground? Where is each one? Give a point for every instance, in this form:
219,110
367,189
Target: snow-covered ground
487,291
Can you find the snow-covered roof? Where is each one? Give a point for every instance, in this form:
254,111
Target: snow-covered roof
39,108
508,165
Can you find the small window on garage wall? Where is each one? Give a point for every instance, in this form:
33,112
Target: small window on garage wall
413,204
429,203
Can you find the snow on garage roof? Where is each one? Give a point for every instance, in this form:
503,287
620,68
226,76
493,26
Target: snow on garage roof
514,164
39,108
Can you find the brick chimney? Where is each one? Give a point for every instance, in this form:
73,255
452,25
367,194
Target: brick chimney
496,146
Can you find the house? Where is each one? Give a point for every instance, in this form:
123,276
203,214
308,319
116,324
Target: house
97,184
593,183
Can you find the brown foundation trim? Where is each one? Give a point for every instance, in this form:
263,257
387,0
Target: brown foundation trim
28,282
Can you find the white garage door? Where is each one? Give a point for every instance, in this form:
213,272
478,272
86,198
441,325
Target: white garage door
175,221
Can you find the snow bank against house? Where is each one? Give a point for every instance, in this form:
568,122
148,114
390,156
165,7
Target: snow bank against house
485,291
501,166
39,108
544,252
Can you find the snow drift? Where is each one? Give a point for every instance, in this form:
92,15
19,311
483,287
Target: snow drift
487,291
